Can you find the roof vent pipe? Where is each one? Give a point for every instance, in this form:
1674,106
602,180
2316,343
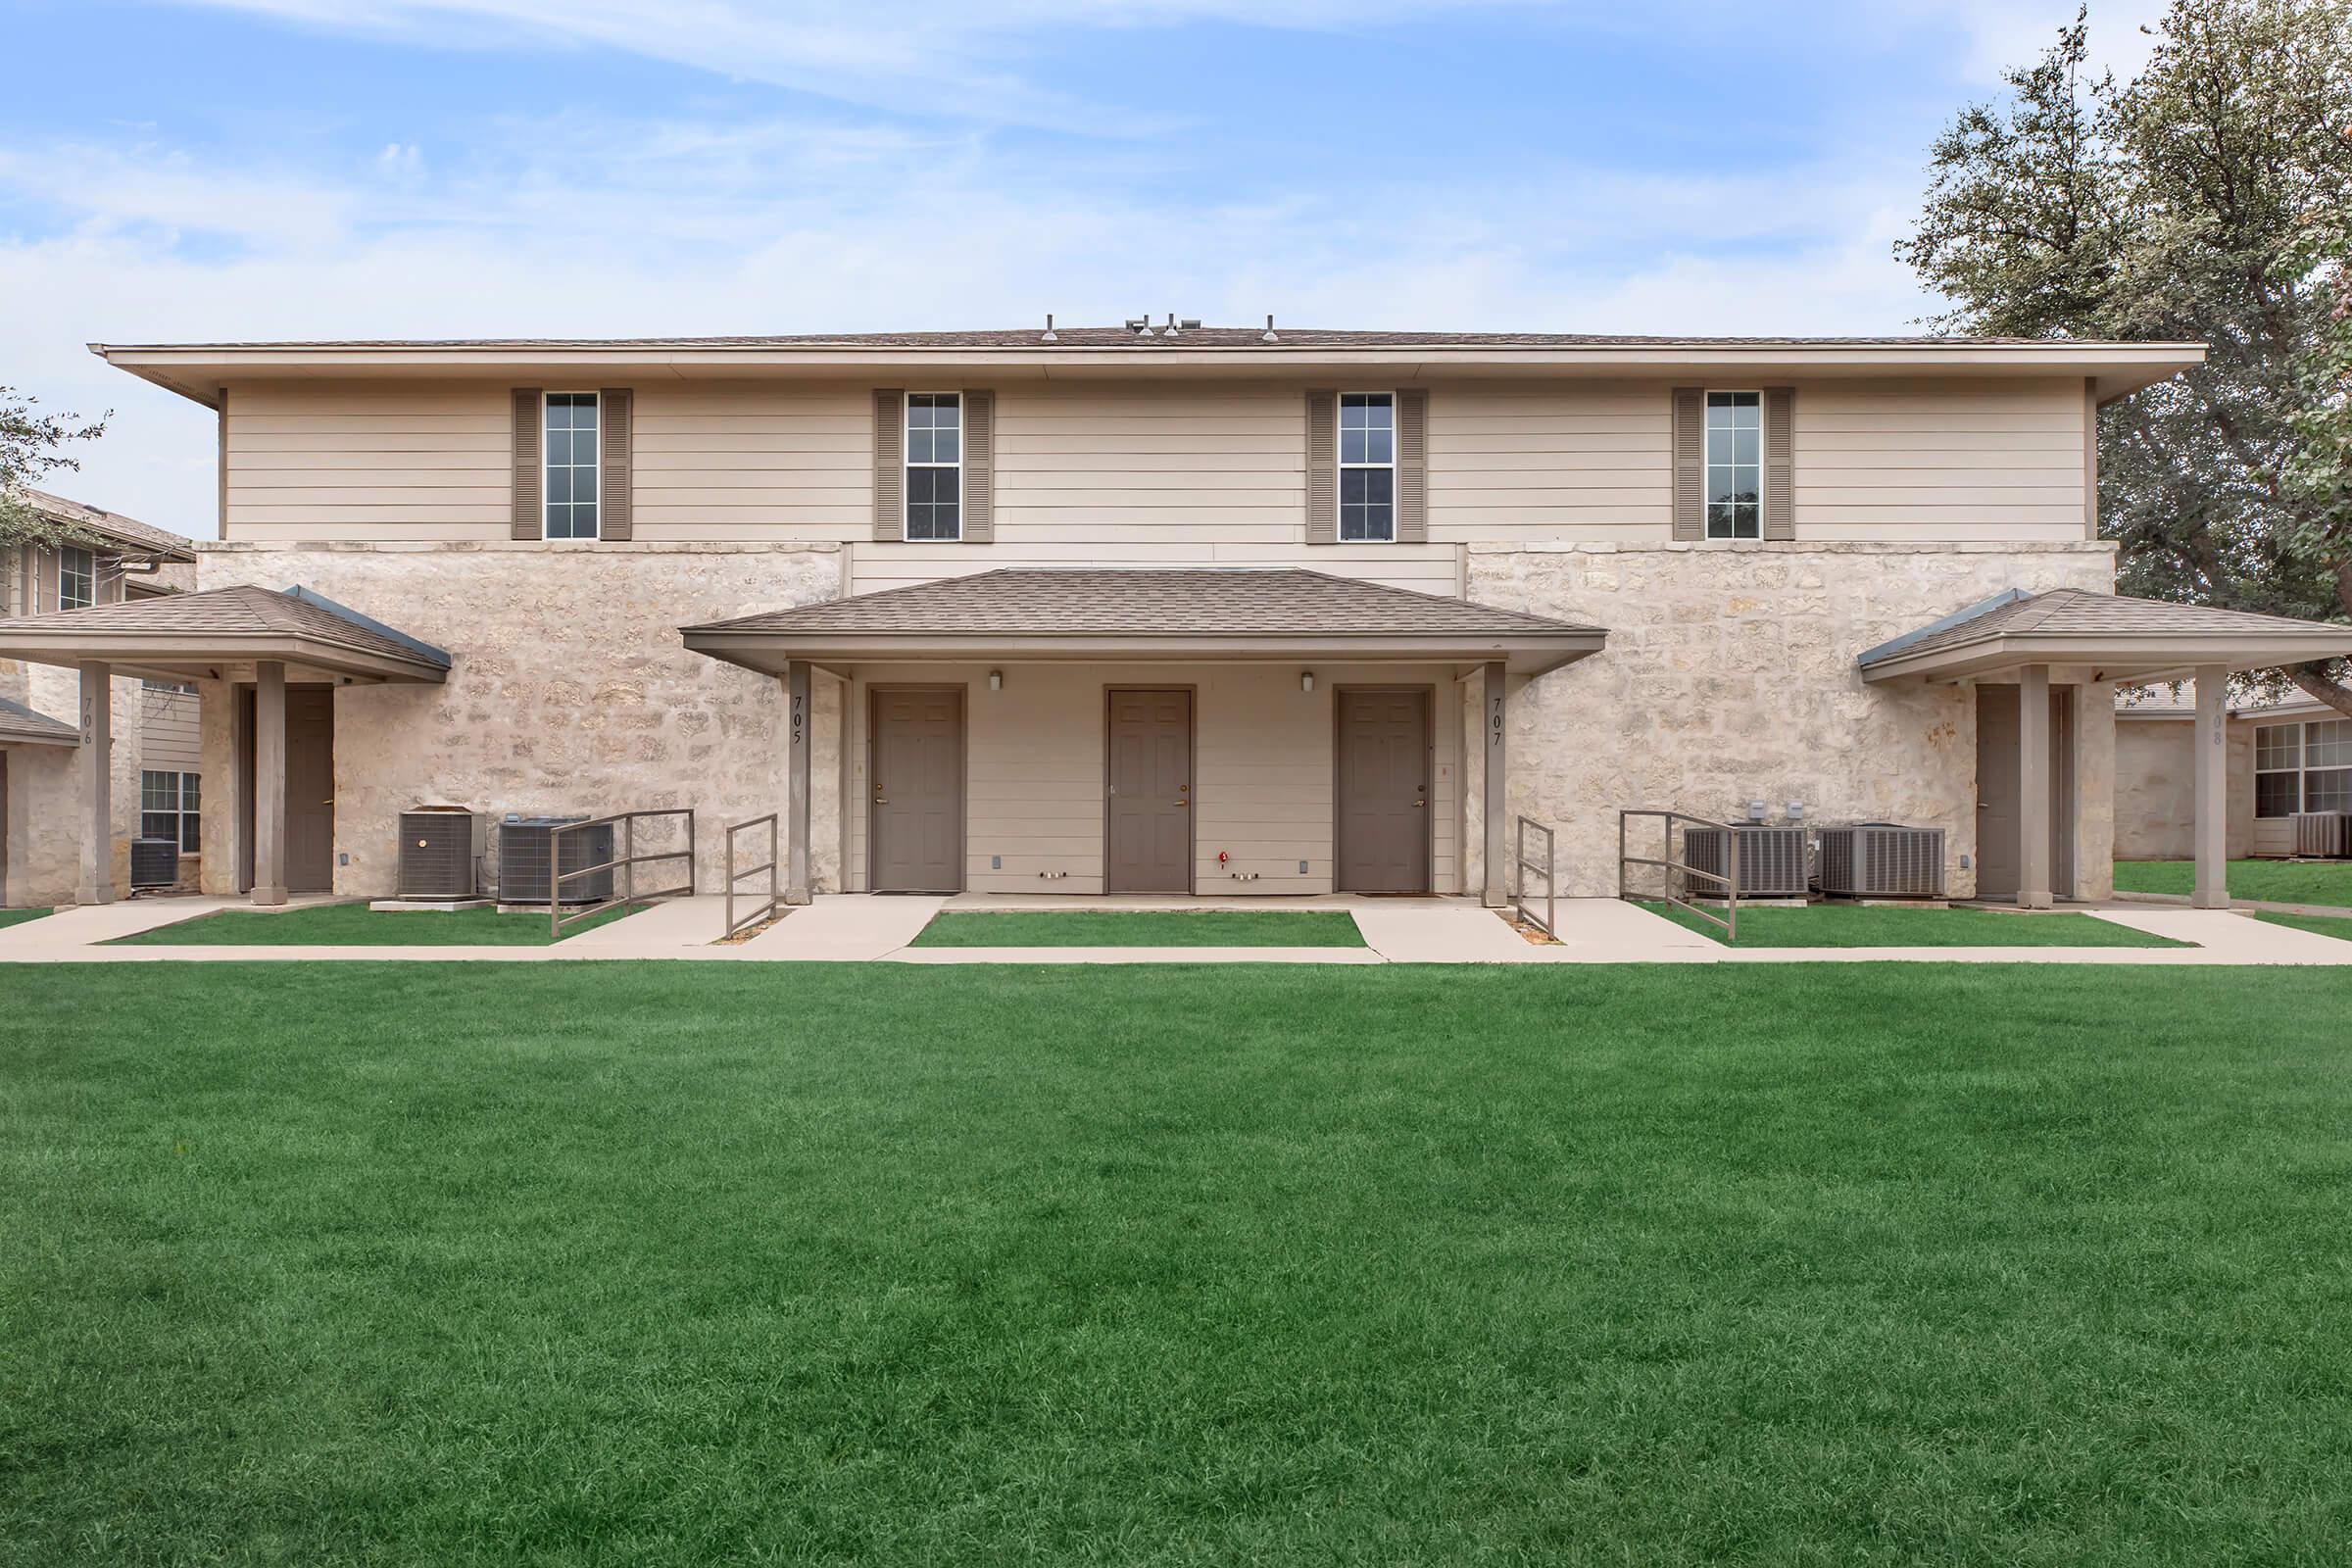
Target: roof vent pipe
1141,326
1051,336
1267,336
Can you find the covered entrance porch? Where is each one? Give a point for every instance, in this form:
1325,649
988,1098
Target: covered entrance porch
2035,660
278,658
1151,732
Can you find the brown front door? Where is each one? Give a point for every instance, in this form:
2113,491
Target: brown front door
916,825
1150,837
1999,867
309,789
1384,778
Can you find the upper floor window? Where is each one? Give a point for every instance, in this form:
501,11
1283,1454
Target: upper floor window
934,464
77,578
2303,767
572,465
1368,465
1734,465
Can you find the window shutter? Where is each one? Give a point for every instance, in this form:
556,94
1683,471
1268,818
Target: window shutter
530,476
1322,468
1780,463
979,468
616,412
890,464
1689,463
1412,466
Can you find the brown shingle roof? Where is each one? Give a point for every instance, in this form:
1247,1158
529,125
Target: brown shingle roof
245,610
2073,612
1032,338
110,525
19,723
1028,602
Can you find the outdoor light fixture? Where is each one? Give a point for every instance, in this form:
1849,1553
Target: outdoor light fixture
1307,680
996,680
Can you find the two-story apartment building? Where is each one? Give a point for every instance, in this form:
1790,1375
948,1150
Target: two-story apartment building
1160,608
155,774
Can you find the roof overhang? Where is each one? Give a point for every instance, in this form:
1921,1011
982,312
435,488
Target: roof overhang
198,370
214,655
2133,660
771,652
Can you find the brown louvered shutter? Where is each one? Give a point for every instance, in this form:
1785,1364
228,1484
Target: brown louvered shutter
979,468
890,464
1780,463
530,476
1412,466
615,408
1322,468
1689,463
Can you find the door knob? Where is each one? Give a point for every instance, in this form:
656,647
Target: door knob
1181,805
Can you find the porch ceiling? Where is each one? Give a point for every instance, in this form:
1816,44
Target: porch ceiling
2110,637
1234,616
203,635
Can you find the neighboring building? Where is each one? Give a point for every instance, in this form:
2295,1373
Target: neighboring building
2285,757
42,814
1160,608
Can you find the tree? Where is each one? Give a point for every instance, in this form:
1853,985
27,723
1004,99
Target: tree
29,450
2199,200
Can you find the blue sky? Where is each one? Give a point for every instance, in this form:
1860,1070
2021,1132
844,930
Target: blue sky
243,168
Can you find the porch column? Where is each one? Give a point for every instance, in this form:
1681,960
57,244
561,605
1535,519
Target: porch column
97,880
2034,788
797,748
1498,773
2211,890
270,783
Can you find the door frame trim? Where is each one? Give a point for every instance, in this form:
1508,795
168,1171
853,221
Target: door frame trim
1429,761
1191,778
963,777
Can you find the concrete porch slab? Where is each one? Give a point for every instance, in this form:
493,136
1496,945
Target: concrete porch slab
845,927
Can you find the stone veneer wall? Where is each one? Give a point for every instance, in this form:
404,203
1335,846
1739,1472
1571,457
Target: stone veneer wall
45,809
2156,789
571,691
1729,676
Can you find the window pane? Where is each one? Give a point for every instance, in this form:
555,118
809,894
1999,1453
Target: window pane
2327,790
191,834
1746,521
1351,446
2330,744
158,825
187,792
571,456
2275,794
159,792
1380,446
2276,746
1352,486
1379,486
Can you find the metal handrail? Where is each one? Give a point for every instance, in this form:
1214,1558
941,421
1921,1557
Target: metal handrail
626,864
774,899
1729,921
1545,870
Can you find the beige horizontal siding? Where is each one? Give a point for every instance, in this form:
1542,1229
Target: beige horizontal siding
1539,461
168,731
1117,462
1951,460
1261,765
364,462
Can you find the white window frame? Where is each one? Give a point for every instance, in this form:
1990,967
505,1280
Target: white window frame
1339,453
596,464
907,464
177,810
1707,465
2302,770
64,552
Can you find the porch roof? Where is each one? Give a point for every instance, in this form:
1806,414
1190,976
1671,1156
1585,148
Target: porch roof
205,634
1030,614
21,727
2116,638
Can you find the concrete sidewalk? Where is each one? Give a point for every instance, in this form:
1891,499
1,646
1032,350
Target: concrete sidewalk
855,928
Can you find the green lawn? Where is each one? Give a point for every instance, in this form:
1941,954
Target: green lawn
2272,881
355,925
9,917
655,1263
1144,929
2326,925
1850,925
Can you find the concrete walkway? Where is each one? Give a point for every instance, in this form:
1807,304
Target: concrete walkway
861,928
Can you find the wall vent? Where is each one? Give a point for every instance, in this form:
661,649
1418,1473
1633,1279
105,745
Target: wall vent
1772,860
440,852
154,864
523,849
1881,860
2324,835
